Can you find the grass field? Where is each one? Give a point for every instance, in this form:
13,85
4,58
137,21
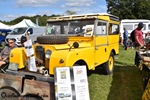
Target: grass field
124,84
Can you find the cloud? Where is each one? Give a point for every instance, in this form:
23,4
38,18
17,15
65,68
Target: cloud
84,6
49,7
43,12
79,3
10,17
66,3
73,5
35,3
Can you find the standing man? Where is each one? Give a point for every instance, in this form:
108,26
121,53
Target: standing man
139,42
125,38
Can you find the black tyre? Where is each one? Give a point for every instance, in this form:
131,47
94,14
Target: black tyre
108,66
48,39
32,97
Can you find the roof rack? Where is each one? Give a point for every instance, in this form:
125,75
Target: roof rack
81,16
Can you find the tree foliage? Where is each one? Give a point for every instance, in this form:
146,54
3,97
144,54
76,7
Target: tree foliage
129,9
69,12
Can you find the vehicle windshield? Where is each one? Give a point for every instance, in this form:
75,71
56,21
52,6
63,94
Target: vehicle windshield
73,27
18,31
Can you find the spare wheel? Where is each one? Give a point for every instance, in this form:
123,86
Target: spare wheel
48,39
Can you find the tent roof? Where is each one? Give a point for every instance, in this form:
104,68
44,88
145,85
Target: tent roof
3,26
24,23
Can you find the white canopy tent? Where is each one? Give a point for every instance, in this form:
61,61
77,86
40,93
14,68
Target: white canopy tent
24,23
3,26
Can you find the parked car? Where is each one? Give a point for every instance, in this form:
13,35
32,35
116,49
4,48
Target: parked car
90,40
33,33
3,34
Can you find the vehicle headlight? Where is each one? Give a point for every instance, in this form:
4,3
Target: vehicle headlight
13,66
48,53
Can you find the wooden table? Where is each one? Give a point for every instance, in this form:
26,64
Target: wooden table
145,62
145,58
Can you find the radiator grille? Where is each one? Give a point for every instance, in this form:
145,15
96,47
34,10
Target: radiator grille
40,53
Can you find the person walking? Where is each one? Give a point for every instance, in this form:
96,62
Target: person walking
125,38
139,41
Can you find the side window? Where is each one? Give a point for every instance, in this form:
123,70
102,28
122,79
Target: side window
113,28
128,27
30,31
53,29
148,26
101,28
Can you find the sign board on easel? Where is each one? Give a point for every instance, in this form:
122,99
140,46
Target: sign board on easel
71,83
81,83
63,84
30,52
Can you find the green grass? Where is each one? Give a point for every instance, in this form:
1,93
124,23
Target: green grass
124,84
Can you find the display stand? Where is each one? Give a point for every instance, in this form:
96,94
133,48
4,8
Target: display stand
30,54
144,66
71,83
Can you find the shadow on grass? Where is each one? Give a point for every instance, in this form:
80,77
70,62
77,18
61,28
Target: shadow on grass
126,83
98,70
122,63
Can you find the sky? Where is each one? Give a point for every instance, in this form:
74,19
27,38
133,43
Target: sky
12,9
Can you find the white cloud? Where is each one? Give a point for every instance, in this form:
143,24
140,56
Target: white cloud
73,5
79,3
84,6
10,17
55,7
43,12
35,3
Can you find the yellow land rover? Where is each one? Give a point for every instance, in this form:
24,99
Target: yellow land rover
89,39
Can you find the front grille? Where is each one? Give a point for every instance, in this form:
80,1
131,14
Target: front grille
39,51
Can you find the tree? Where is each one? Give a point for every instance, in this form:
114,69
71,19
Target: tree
129,9
68,12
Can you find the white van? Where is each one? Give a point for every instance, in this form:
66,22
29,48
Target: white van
33,33
131,24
